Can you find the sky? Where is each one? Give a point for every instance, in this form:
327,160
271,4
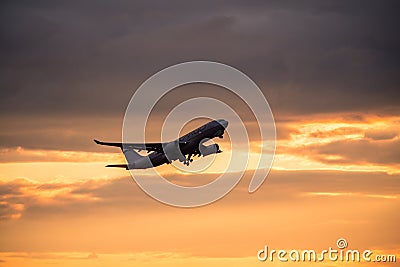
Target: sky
330,73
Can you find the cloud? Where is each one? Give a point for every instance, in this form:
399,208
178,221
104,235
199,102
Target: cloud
341,131
10,211
357,152
68,70
67,133
78,215
379,134
19,154
369,142
307,60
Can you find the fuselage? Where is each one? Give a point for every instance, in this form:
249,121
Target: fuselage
190,142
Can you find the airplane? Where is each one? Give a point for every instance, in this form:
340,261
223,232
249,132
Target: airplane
182,149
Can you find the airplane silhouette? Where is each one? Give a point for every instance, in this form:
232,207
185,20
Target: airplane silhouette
181,149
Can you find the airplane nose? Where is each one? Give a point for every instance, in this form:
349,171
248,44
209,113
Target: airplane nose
224,123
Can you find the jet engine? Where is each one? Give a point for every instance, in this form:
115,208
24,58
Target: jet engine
208,150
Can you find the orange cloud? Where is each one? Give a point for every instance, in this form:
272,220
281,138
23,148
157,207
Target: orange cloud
78,216
20,154
370,144
69,203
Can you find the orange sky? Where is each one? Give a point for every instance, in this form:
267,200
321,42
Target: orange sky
66,208
329,70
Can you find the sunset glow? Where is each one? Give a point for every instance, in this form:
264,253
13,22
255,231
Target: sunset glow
329,71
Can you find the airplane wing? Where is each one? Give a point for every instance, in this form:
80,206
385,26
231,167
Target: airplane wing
147,146
158,147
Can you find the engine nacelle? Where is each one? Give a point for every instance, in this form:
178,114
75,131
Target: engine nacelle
173,152
208,150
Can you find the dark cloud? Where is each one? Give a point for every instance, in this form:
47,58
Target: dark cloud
355,152
66,133
68,60
72,58
378,134
76,133
8,211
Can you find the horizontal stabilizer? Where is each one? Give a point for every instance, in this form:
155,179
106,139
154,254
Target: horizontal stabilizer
118,166
107,143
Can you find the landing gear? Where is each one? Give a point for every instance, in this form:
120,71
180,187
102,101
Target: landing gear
188,160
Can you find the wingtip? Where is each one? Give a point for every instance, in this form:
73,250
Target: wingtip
96,141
